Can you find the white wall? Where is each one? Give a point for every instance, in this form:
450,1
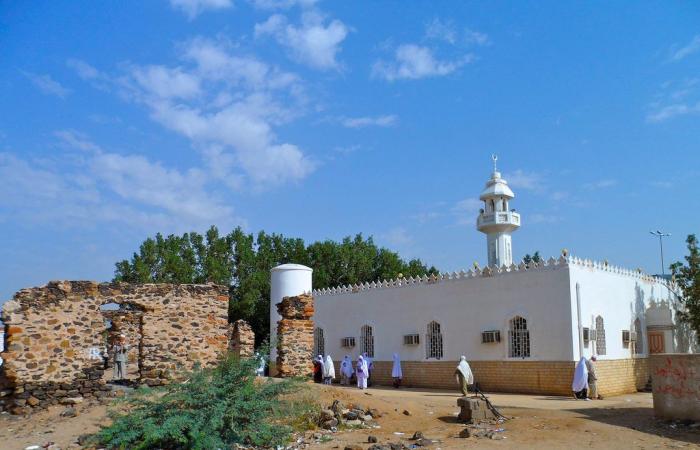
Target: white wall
464,307
619,298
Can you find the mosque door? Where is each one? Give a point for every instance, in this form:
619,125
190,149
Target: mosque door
656,342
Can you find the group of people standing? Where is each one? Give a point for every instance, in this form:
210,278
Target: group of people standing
584,384
324,370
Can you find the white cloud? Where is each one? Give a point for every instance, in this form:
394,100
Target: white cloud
192,8
662,184
167,83
445,31
83,69
691,47
524,180
670,111
108,187
414,61
282,4
47,85
361,122
601,184
543,218
467,210
476,37
397,237
313,42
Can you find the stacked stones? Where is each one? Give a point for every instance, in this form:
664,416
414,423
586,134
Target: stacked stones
55,336
295,336
242,343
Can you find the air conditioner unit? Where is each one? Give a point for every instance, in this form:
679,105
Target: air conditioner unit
593,334
490,336
347,342
633,336
411,339
626,337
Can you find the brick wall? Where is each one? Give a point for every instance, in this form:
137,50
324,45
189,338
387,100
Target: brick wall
526,377
295,336
242,341
55,334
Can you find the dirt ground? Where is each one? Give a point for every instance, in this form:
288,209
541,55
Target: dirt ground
541,422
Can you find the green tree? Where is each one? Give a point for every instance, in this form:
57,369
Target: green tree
243,261
687,276
535,258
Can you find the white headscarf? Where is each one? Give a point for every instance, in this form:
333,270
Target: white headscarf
396,368
465,370
362,367
580,376
346,366
368,360
328,367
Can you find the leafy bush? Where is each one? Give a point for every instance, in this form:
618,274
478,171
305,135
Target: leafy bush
212,409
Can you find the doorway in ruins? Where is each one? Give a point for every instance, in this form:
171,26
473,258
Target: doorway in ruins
122,321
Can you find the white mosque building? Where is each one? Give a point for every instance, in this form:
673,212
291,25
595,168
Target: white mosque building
522,327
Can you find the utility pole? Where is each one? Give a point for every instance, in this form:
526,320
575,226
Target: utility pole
661,245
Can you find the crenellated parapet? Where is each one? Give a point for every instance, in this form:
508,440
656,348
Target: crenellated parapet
492,271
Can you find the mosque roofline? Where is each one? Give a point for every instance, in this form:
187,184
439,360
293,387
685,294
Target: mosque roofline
549,264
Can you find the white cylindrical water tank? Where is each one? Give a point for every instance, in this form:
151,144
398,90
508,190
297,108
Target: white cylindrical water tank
286,280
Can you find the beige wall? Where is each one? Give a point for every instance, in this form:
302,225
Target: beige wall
676,385
615,377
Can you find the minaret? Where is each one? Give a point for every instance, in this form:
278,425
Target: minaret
496,220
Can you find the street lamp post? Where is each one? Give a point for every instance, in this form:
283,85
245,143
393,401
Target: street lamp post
661,245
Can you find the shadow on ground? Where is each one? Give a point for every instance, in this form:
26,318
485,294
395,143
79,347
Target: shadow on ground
643,420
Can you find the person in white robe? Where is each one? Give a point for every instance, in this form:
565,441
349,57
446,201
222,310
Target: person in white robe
580,383
328,370
260,371
362,372
346,371
464,375
396,372
370,367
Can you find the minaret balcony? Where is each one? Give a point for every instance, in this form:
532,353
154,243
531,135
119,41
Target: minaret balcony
498,219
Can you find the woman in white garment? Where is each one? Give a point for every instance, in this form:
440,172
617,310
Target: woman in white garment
370,367
464,375
396,372
345,371
362,371
328,370
580,383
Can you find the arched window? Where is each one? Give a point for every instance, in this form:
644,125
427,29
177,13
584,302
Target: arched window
639,343
600,336
518,338
367,340
433,341
319,342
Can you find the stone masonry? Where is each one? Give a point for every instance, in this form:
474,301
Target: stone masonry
295,336
55,334
242,343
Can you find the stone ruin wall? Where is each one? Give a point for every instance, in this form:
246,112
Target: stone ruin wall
242,341
55,334
295,336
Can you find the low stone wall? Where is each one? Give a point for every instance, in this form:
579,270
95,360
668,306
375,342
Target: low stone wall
295,336
56,333
242,343
524,377
675,380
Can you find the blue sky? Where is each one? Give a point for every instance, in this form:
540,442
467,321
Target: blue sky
322,119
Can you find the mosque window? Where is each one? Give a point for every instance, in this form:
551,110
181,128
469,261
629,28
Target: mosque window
518,338
367,340
639,343
600,336
433,341
319,342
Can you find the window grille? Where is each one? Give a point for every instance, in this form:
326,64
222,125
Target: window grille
639,341
367,340
491,336
586,335
600,336
319,342
347,342
433,341
518,338
411,339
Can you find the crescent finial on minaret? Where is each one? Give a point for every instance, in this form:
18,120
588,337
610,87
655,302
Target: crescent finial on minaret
494,157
